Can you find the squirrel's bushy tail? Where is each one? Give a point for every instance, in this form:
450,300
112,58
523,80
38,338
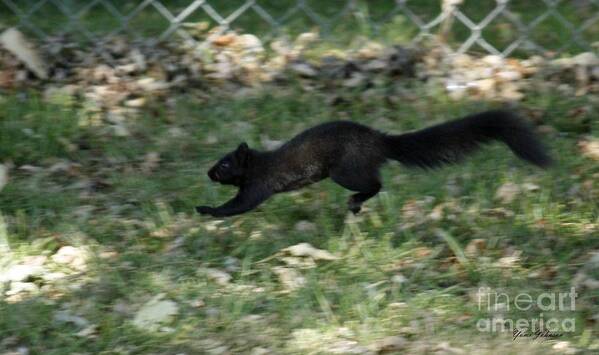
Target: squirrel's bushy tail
450,141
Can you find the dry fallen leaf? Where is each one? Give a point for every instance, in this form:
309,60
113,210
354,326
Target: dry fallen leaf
21,287
508,261
71,256
16,43
224,40
564,347
290,278
307,250
136,103
293,261
270,144
151,162
475,247
304,226
65,316
303,69
389,345
591,283
445,348
220,277
155,312
21,272
413,211
590,148
88,332
507,192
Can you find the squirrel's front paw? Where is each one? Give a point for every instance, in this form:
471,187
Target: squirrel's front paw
204,210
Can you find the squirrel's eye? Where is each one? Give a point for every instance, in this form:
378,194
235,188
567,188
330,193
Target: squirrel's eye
225,165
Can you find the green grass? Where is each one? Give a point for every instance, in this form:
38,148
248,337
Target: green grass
376,19
147,219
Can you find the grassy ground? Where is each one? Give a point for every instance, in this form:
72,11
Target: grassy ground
380,19
401,271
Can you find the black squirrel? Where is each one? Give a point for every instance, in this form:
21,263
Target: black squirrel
351,154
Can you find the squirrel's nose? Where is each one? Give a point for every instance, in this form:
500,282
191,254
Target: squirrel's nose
213,175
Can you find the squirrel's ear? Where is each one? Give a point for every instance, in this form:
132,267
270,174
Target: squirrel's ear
243,147
242,151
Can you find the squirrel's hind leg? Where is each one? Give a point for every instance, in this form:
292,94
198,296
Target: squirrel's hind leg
366,181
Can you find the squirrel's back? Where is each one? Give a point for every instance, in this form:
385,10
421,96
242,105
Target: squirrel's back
331,141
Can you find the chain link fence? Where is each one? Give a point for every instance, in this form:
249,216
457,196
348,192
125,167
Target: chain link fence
500,27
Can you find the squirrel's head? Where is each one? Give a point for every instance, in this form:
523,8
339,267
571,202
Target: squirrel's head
230,170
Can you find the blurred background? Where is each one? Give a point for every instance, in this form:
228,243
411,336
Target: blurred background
495,27
111,113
